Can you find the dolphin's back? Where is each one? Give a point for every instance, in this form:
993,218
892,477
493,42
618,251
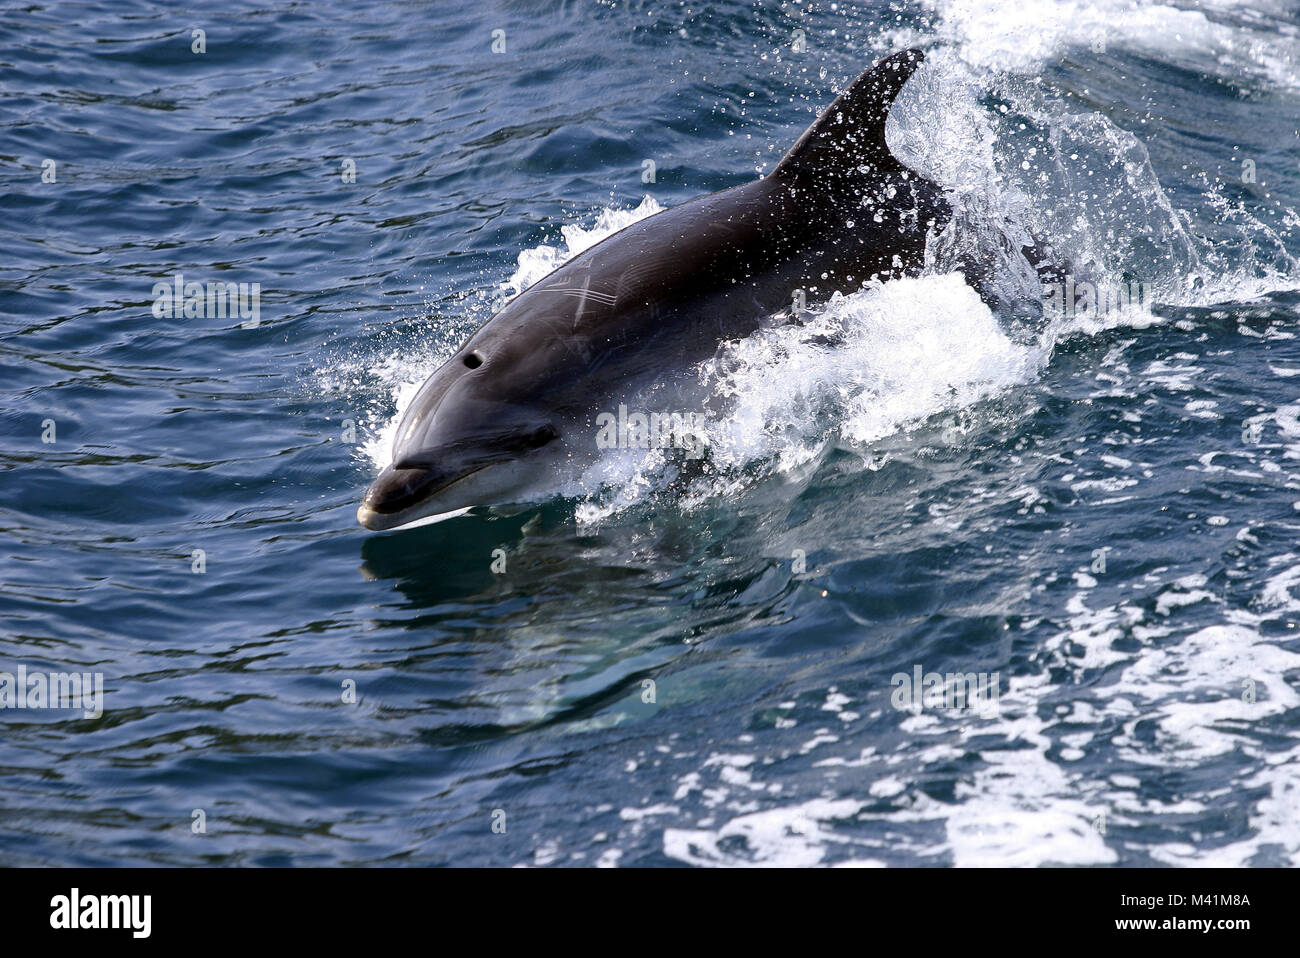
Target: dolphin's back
837,211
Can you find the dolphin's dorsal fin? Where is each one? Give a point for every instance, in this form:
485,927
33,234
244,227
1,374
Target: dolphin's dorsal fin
851,133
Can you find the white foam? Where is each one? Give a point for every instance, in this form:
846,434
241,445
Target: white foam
1025,806
902,352
1023,36
859,368
785,837
540,261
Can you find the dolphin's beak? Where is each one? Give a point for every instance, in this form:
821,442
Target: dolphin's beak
396,493
372,520
378,521
402,492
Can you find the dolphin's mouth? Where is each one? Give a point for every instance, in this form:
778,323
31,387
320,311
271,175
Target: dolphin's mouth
394,497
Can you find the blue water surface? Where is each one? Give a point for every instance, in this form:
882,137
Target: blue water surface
1100,514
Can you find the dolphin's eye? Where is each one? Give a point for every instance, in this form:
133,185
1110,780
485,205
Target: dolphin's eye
473,360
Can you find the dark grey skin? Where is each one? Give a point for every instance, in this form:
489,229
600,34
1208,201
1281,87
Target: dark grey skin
522,394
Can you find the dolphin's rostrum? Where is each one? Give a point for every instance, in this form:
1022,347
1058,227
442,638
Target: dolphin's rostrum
523,392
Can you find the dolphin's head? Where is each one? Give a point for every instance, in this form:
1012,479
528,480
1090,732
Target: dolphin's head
466,439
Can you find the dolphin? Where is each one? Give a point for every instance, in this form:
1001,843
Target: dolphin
521,396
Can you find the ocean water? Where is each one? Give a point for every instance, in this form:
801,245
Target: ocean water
1097,512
